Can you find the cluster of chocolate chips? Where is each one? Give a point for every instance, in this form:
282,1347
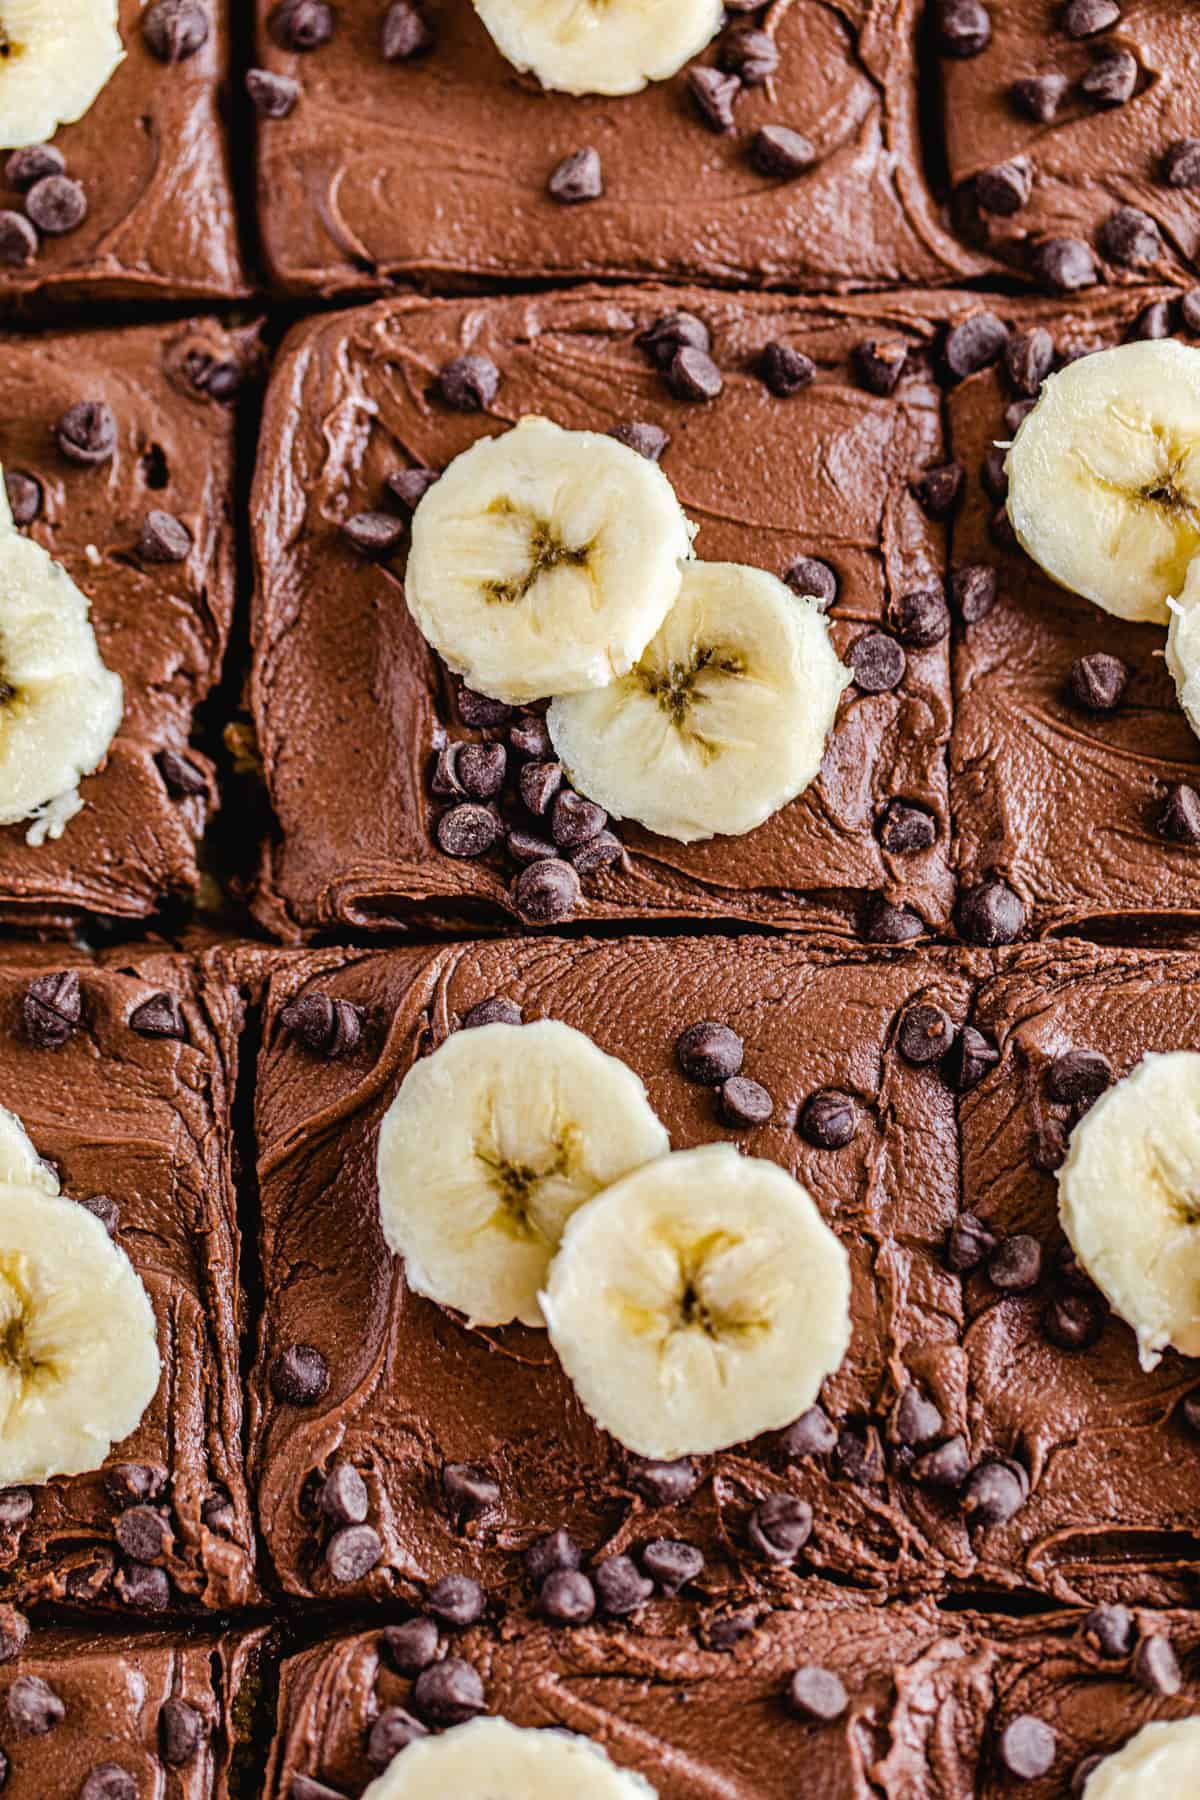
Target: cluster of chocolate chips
52,1010
927,1037
352,1547
54,204
711,1054
405,34
748,57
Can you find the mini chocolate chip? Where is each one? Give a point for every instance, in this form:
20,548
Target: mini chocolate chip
1152,323
810,577
744,1102
408,488
567,1597
132,1484
1078,1075
109,1781
87,433
302,24
546,892
974,344
709,1052
1189,311
726,1632
412,1646
938,489
925,1034
181,1731
16,1505
1097,682
1180,816
470,1490
299,1375
469,383
1131,238
158,1017
175,29
24,496
665,1483
860,1454
405,32
828,1120
968,1060
693,375
573,820
50,1009
973,590
180,777
600,852
1016,414
1005,188
18,240
915,1421
272,96
497,1010
1015,1265
990,913
1028,359
352,1552
786,371
885,923
993,473
1039,96
33,1706
1000,530
88,1579
922,618
164,538
1156,1666
1180,163
57,205
1111,79
526,847
31,164
648,440
104,1208
374,534
1082,18
672,1564
621,1586
879,364
468,831
1027,1747
14,1631
812,1434
945,1466
1083,1773
450,1692
878,662
219,380
817,1695
1050,1146
779,1527
343,1495
529,736
781,153
993,1492
964,27
577,178
539,783
1110,1630
480,769
712,95
1074,1321
750,53
556,1551
671,333
393,1731
1071,1273
143,1534
457,1600
1064,265
327,1027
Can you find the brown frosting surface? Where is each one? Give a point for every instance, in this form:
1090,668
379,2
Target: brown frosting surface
145,1121
824,474
1061,802
162,626
929,1695
435,170
152,153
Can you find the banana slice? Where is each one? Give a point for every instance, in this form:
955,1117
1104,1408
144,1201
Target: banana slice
544,561
725,717
1104,476
698,1302
57,55
600,46
1129,1200
59,705
78,1347
1160,1762
20,1163
488,1148
506,1762
1183,645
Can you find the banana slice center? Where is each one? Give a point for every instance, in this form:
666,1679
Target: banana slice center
530,1190
545,552
706,1297
21,1365
1171,485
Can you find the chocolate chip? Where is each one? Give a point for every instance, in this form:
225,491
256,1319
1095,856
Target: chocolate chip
175,29
973,591
158,1017
352,1552
408,488
567,1597
546,892
786,371
526,847
938,489
470,1490
468,831
990,913
457,1600
672,1564
109,1781
925,1034
1005,188
539,783
450,1692
1191,1411
14,1631
1050,1146
1039,96
817,1694
993,473
376,535
878,663
1109,1630
553,1553
811,577
648,440
272,96
915,1421
600,852
974,344
994,1492
879,364
343,1495
181,1731
1152,323
143,1534
922,618
1156,1666
1063,265
302,24
779,1527
219,380
726,1632
393,1731
1016,414
812,1434
709,1052
1097,682
24,496
665,1483
1027,1747
577,178
32,164
496,1010
1015,1265
326,1027
968,1060
713,95
573,820
16,1505
1131,238
57,205
860,1455
673,332
529,736
50,1009
469,383
104,1208
1180,816
412,1646
1078,1076
885,923
1000,530
1181,163
1074,1321
299,1375
132,1484
1083,1773
781,153
1082,18
744,1103
480,769
88,1579
964,27
18,240
33,1707
1111,80
693,375
621,1586
405,32
1028,359
164,538
1189,311
750,53
944,1466
87,433
828,1120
